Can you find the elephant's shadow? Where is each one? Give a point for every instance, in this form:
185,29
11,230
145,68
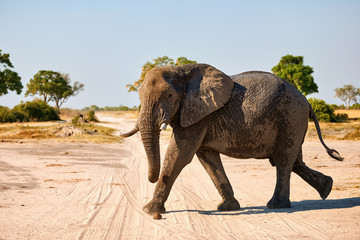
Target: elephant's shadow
300,206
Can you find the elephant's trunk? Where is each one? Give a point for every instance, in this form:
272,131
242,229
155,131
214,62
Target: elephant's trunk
149,131
150,140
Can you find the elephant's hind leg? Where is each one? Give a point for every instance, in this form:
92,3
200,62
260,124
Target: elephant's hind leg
284,161
280,199
317,180
212,163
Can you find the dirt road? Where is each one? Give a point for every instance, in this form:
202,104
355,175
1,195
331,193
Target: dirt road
56,190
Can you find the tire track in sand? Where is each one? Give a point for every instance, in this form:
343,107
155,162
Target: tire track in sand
161,229
286,221
188,214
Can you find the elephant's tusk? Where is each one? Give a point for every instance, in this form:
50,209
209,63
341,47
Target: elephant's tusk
163,126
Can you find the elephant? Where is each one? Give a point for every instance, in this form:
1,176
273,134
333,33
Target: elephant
250,115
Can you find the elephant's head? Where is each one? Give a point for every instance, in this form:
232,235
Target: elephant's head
186,93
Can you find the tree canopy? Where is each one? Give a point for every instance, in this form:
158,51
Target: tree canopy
63,90
41,84
53,86
291,69
9,80
158,62
348,94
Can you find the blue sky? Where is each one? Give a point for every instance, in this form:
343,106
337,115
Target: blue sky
103,44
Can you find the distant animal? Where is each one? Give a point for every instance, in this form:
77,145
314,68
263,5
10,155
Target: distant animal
249,115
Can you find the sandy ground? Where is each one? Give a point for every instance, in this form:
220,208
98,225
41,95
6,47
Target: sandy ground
56,190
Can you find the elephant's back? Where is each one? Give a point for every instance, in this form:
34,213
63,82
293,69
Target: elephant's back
258,83
259,93
263,95
265,89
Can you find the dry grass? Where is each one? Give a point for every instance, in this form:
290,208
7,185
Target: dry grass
352,114
27,130
94,138
126,114
349,130
49,130
339,131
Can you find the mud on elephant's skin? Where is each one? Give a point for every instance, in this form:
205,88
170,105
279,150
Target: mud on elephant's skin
249,115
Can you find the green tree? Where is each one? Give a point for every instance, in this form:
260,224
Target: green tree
158,62
94,108
291,69
41,84
53,86
348,94
61,89
183,60
9,80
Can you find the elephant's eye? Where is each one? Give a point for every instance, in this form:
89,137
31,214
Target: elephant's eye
170,95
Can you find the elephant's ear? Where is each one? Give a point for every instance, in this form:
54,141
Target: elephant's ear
208,90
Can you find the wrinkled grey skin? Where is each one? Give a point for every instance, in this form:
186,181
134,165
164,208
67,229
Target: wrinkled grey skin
250,115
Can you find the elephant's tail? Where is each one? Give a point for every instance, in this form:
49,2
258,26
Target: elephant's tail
332,152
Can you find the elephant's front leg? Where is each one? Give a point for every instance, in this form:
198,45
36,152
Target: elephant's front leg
212,164
179,153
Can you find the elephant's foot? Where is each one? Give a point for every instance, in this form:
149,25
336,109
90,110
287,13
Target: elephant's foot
277,203
326,187
229,205
153,207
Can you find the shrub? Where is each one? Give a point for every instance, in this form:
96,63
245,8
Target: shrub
341,117
79,119
36,110
324,112
91,116
19,116
75,120
6,115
